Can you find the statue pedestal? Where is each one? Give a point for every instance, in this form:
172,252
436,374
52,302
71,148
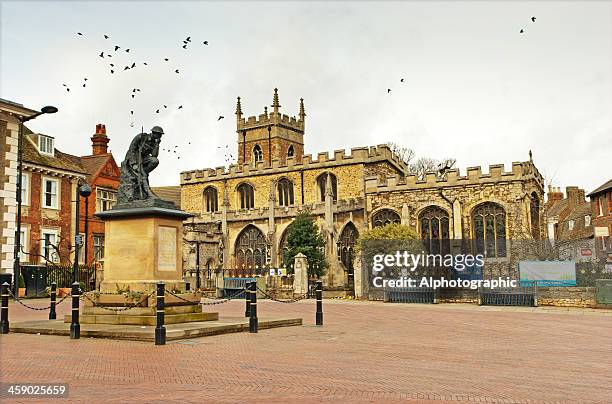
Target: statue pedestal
143,246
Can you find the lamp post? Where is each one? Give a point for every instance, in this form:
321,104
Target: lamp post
83,190
17,250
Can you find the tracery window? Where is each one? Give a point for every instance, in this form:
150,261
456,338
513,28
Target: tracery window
251,248
285,192
246,194
434,229
257,154
385,216
489,224
211,199
322,182
346,248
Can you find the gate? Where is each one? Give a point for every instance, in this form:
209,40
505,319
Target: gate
39,277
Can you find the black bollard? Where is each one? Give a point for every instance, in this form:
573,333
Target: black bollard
160,330
319,295
247,299
188,286
75,327
52,315
253,308
4,321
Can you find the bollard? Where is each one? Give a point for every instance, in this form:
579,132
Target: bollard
188,286
4,321
52,315
253,308
319,295
75,327
247,299
160,330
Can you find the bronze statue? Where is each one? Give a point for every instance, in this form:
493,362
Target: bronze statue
140,159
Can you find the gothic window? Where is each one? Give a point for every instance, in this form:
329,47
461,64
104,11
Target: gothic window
346,248
535,215
246,195
210,199
434,223
385,216
251,248
489,224
285,192
322,182
257,154
282,246
290,151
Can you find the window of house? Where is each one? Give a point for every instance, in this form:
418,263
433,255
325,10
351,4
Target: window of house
45,144
211,199
246,195
285,192
48,245
257,154
50,197
24,243
570,225
105,199
98,247
600,201
587,220
25,189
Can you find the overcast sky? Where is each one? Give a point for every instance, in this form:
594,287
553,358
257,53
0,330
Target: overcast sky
474,87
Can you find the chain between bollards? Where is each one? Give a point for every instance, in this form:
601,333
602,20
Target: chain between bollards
160,329
52,314
319,295
253,323
247,299
4,322
75,327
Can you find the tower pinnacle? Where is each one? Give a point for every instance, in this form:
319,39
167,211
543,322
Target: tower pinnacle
275,103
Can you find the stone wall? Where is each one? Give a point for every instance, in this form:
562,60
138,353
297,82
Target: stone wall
567,296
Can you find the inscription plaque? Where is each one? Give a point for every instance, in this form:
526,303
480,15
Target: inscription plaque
166,247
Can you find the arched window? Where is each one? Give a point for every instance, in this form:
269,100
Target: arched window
285,192
385,216
489,224
535,215
210,199
246,195
282,247
434,223
346,248
290,151
257,154
250,248
322,182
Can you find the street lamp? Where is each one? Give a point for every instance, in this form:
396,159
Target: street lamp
16,266
83,190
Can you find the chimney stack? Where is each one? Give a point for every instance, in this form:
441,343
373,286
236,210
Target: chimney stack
554,194
99,141
575,195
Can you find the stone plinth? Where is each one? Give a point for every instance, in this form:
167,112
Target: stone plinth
143,246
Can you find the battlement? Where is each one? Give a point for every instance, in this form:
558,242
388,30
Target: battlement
272,118
472,176
340,157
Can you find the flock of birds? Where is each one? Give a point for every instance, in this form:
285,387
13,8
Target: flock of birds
114,53
522,31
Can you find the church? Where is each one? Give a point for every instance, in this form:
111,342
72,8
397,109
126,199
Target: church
242,212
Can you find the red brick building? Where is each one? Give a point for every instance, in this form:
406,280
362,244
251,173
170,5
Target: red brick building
601,210
103,177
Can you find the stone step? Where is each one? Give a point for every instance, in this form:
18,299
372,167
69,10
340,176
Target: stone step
126,319
142,311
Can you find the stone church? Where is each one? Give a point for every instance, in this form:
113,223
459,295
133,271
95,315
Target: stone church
243,211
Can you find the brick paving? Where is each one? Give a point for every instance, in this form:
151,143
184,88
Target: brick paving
366,352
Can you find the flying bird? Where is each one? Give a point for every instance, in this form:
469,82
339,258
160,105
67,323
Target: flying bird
128,50
184,46
85,79
220,117
176,71
101,54
78,33
205,42
388,90
112,65
157,112
106,36
132,112
132,95
401,80
112,71
145,63
180,107
83,84
188,39
126,68
165,106
116,47
533,19
166,59
521,31
133,65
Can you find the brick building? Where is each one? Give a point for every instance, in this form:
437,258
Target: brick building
601,211
243,212
103,177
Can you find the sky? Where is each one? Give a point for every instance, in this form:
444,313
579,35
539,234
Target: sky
474,88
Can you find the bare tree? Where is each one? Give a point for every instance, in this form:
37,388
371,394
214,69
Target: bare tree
406,154
424,165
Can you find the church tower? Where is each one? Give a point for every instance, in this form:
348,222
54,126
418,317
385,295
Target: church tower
271,136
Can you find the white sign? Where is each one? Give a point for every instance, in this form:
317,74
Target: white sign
548,273
272,271
601,232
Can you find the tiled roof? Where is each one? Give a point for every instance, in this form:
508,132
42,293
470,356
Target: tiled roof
59,160
93,164
604,187
170,193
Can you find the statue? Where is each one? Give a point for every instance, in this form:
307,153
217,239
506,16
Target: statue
140,159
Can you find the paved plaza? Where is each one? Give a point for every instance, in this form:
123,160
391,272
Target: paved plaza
365,352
